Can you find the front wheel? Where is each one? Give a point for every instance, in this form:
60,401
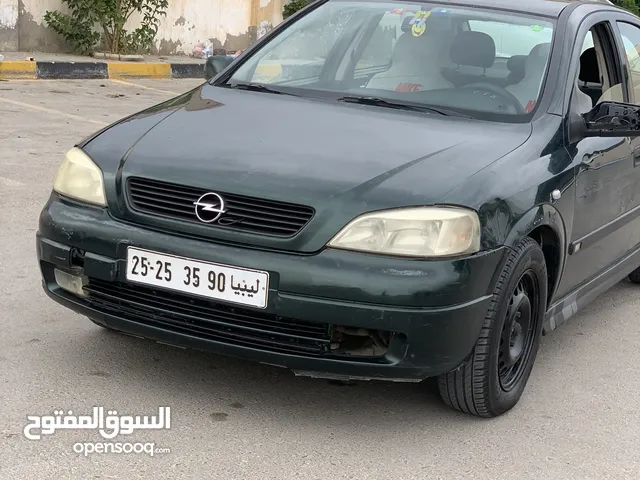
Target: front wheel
634,276
491,381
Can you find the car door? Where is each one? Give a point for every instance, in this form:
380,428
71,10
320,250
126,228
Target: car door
606,177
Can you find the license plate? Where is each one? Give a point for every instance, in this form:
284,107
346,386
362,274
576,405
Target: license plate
219,282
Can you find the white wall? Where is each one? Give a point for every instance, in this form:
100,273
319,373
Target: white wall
188,23
229,24
8,25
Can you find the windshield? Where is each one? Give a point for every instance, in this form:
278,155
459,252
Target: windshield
485,63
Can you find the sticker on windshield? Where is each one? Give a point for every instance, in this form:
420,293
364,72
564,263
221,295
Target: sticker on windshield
440,11
419,23
397,11
537,28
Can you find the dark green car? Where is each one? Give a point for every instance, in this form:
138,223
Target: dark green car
454,181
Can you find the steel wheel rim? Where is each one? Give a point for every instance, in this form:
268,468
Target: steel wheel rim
518,332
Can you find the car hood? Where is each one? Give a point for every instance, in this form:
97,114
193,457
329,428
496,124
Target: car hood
340,159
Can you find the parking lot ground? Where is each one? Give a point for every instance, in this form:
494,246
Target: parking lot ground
232,419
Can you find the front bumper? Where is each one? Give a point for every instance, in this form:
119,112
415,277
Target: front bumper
435,309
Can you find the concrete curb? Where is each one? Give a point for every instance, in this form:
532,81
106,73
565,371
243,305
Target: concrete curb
16,70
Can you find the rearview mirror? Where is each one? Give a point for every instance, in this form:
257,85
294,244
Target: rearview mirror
215,64
613,119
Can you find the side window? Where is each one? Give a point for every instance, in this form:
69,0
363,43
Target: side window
588,42
303,55
595,82
379,51
631,43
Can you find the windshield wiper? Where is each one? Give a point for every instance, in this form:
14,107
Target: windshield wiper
381,102
255,87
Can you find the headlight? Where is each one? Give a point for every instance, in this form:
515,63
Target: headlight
413,232
78,177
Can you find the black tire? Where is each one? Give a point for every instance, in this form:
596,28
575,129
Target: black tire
635,276
483,384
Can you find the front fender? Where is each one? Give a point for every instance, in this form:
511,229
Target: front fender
540,215
545,215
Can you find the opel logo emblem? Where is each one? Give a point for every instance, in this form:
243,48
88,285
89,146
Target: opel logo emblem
209,207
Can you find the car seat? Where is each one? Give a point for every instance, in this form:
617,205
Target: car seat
589,77
473,49
415,65
528,89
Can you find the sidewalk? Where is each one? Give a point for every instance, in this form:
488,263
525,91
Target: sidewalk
34,65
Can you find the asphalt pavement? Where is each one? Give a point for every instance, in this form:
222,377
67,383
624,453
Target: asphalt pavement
233,419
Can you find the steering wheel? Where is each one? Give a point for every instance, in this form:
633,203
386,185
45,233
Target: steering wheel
501,92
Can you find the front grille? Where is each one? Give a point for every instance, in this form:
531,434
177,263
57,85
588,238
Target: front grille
266,217
209,320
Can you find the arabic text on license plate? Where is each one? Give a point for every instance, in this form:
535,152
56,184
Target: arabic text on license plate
220,282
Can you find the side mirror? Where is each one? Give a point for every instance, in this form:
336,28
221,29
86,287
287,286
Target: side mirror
613,119
215,65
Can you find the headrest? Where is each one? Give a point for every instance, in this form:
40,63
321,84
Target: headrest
589,70
406,25
404,47
475,49
422,51
537,58
516,63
